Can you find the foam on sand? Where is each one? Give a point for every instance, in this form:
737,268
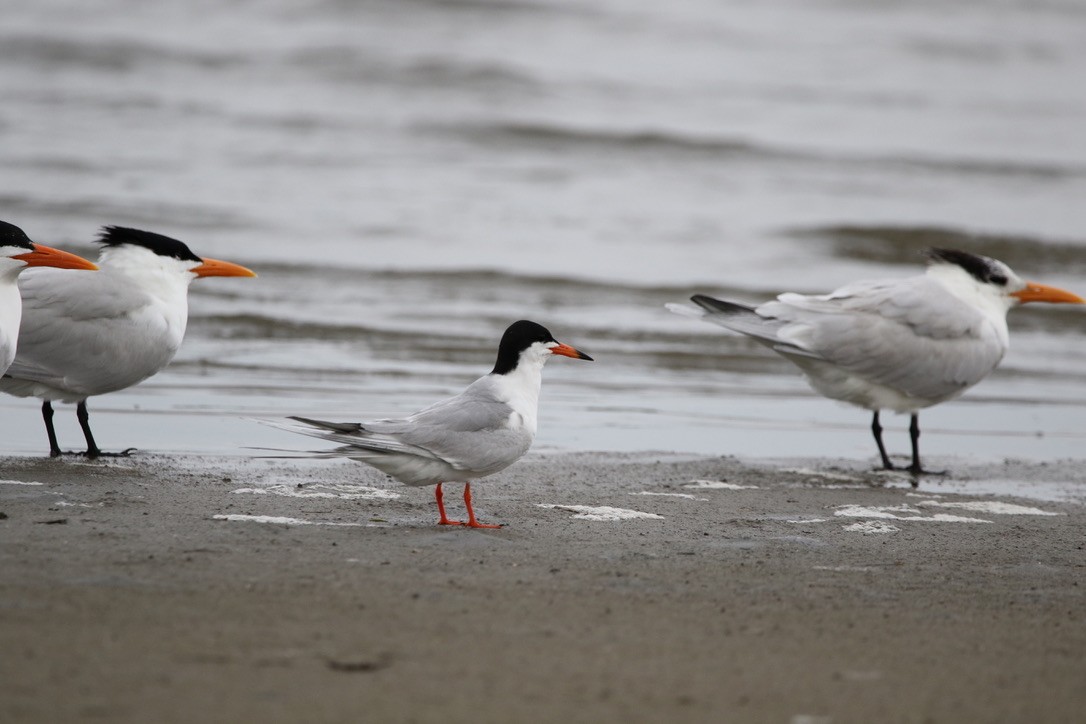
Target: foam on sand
901,512
277,520
822,474
993,507
717,485
602,512
687,496
345,491
871,527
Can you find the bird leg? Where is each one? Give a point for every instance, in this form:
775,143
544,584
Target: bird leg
83,416
441,508
47,415
472,523
914,435
93,452
876,430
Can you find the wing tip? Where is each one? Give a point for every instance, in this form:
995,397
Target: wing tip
346,428
719,306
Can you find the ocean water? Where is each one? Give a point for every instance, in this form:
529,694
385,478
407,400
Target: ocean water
409,176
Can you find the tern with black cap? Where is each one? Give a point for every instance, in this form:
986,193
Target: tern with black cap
484,429
897,344
89,334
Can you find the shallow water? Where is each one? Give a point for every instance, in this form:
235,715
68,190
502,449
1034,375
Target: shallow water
409,177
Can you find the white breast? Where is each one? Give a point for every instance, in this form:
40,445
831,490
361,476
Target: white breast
520,390
10,316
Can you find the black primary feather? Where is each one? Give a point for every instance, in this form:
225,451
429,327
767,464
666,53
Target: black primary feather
343,427
719,306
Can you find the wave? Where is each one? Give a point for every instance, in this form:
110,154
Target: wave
103,54
498,281
262,326
491,8
152,215
888,244
557,137
348,63
553,136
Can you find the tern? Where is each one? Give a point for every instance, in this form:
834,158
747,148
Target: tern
89,334
897,344
17,253
484,429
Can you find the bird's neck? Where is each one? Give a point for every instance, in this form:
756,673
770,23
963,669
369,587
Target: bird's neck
9,270
981,297
163,283
11,313
519,388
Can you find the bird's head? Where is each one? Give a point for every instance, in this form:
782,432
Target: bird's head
17,252
137,250
526,341
986,279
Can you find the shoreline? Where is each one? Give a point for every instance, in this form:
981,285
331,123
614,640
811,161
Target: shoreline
794,591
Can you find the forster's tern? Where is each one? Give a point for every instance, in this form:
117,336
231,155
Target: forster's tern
17,253
898,344
484,429
89,334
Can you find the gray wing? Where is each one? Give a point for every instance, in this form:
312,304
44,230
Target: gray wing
467,432
79,332
78,295
470,431
910,335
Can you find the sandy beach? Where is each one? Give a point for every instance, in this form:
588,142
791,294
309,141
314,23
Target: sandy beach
408,179
183,589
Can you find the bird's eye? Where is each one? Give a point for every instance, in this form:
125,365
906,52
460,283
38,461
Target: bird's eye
998,279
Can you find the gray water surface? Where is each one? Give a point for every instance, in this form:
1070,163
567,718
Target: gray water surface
408,177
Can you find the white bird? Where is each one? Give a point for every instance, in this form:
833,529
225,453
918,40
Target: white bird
89,334
897,344
484,429
17,253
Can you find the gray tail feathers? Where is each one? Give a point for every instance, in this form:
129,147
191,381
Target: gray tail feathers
719,306
743,319
341,427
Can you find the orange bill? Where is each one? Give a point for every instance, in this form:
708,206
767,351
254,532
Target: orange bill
48,256
566,351
216,268
1042,293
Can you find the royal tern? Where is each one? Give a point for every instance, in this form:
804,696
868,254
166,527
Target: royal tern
89,334
897,344
17,252
484,429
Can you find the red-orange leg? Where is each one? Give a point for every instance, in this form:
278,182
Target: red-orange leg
472,523
441,508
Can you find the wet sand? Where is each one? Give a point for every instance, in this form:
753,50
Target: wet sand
769,592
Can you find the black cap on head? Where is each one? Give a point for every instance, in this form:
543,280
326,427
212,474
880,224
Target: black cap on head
159,244
979,267
12,235
517,338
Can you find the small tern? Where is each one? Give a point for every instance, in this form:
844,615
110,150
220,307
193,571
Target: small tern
484,429
898,344
89,334
17,253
